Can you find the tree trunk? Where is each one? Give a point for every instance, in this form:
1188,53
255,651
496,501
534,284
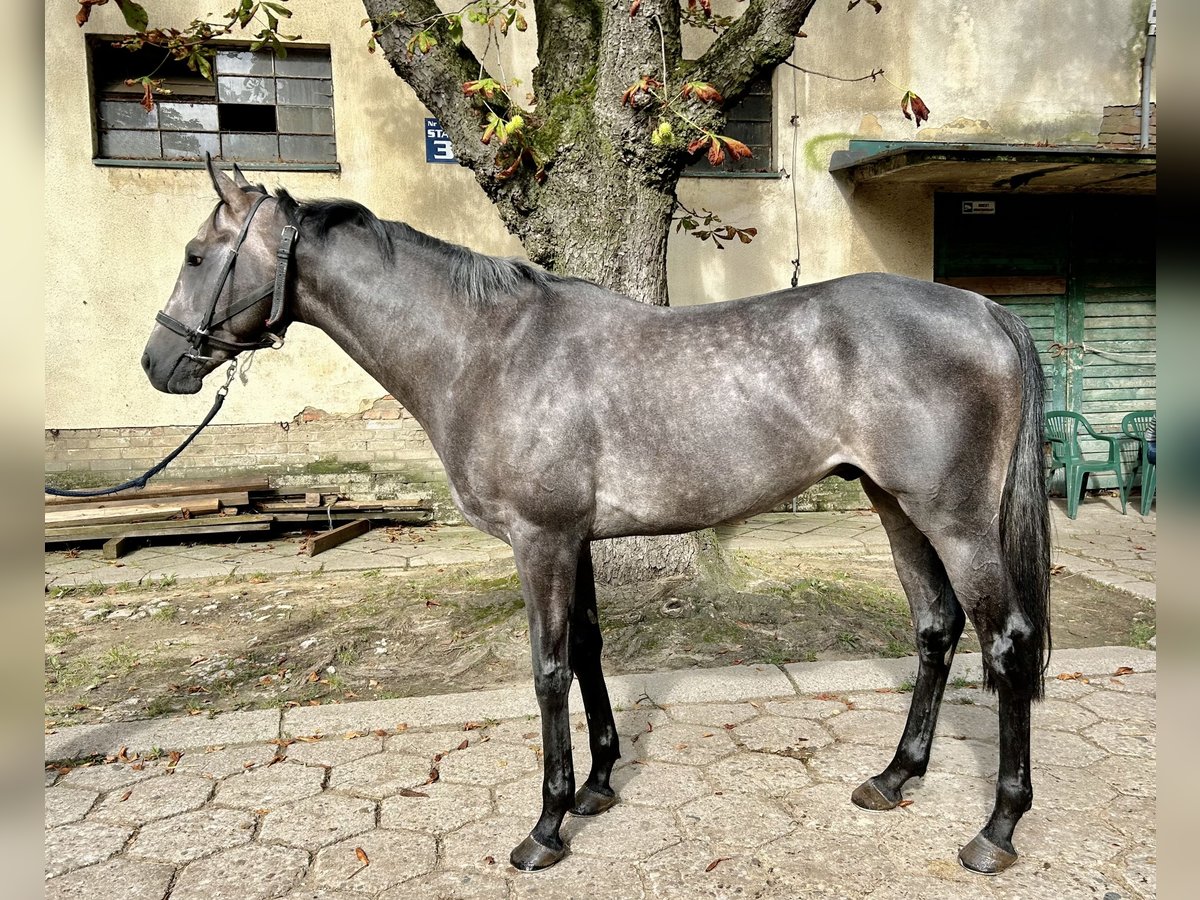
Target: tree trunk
602,208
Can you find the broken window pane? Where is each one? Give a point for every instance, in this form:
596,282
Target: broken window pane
305,148
190,144
188,116
305,119
130,145
305,92
119,114
245,90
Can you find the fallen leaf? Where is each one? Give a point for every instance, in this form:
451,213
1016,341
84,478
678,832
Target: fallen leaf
490,860
729,726
362,856
261,812
681,746
350,735
904,803
125,796
471,726
633,8
409,792
277,758
434,775
138,767
309,739
707,734
463,745
173,760
530,735
1069,676
401,728
1123,670
716,862
379,732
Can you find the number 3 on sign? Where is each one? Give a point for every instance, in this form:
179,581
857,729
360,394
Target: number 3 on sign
438,148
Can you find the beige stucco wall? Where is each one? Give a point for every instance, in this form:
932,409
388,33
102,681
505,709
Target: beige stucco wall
1031,70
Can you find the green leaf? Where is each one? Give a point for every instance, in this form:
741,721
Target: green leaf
279,8
135,15
454,29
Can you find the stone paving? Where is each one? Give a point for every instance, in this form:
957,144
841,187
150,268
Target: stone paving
1101,544
734,783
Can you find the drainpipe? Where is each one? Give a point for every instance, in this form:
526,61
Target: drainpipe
1147,67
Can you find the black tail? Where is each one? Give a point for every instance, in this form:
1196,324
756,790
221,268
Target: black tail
1024,513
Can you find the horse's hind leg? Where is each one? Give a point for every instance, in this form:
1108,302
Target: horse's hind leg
597,794
1011,653
938,623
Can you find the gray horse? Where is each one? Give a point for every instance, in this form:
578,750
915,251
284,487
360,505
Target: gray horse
565,413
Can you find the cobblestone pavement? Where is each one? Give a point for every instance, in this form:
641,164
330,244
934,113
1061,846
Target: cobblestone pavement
733,783
1101,544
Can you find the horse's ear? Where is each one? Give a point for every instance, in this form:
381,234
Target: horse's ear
226,189
240,180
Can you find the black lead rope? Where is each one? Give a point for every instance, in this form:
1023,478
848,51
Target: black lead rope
141,480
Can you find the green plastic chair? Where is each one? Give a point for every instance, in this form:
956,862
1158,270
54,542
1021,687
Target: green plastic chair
1062,433
1134,425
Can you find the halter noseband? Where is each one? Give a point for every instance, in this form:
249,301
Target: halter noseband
202,337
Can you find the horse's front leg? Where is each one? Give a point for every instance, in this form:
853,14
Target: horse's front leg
546,562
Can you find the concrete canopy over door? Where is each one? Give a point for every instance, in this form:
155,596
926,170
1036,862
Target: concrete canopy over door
1080,270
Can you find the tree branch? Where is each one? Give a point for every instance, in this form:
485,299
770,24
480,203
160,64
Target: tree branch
762,38
872,75
436,78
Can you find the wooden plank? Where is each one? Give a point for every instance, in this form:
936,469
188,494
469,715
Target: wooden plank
335,538
182,527
176,490
68,518
229,498
312,499
1009,285
325,517
117,546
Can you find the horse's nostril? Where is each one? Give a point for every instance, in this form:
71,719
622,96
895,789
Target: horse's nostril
146,361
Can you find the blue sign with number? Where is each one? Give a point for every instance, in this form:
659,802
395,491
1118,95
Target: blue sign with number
438,148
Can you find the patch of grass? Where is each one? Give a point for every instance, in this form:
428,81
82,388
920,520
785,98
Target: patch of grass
346,656
848,640
959,682
60,637
161,583
896,649
165,613
119,659
88,589
907,686
160,706
1140,634
492,582
372,573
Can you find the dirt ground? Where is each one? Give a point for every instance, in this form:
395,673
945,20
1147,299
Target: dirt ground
197,648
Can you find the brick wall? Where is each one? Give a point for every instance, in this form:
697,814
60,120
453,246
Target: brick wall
380,453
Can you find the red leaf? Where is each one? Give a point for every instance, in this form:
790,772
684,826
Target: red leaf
408,792
920,110
362,856
1123,670
904,803
716,155
634,7
716,862
737,149
698,144
148,97
434,775
463,745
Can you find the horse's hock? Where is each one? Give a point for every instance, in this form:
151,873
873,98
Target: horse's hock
376,453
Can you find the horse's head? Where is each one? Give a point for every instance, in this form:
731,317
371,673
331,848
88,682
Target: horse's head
219,309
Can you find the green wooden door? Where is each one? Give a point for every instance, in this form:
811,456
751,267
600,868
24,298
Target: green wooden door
1080,271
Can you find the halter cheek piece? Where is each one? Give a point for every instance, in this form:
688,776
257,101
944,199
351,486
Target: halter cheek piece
202,338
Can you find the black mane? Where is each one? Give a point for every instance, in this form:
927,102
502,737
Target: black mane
477,278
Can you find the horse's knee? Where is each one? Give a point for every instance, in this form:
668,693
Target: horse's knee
937,635
552,681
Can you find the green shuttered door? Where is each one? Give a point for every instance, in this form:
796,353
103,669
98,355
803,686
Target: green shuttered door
1080,271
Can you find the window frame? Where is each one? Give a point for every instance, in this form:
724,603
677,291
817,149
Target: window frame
701,169
96,96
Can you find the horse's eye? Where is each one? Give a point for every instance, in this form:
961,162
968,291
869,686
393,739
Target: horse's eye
194,260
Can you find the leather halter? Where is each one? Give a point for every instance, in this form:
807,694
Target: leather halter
202,338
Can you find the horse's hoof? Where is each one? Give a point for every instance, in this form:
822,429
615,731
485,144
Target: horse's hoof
590,802
985,857
868,796
531,855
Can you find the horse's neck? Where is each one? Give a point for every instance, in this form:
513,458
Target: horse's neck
399,325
